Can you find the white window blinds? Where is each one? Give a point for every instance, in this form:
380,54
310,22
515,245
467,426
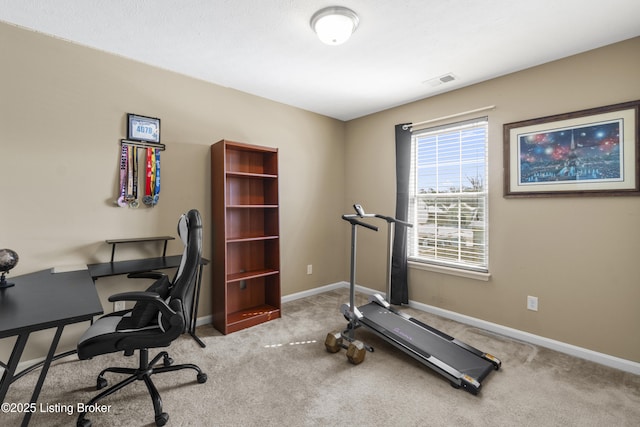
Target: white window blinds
448,195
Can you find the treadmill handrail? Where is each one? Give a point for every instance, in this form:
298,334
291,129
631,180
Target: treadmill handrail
354,221
360,212
396,220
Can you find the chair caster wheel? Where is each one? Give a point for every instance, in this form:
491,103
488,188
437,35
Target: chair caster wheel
168,361
202,378
83,423
101,383
162,419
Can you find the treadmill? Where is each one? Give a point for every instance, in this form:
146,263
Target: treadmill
463,365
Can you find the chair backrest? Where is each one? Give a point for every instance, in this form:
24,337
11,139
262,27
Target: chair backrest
183,284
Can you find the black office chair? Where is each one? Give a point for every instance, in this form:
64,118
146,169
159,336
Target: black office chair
161,314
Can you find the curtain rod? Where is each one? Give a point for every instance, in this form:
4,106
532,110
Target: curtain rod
488,107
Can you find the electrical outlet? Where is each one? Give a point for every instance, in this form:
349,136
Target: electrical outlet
118,305
309,269
532,303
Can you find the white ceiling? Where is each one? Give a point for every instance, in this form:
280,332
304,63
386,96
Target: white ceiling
267,48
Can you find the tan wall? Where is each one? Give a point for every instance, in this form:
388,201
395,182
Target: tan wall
579,256
62,114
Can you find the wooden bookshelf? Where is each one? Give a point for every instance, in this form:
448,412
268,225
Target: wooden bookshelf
246,235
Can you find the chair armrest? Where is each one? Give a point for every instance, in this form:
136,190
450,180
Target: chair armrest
172,327
151,297
146,275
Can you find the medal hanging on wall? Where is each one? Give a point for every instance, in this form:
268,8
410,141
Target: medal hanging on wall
149,178
156,188
124,160
133,203
129,197
152,180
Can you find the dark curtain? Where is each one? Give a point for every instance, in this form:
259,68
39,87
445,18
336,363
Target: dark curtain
399,288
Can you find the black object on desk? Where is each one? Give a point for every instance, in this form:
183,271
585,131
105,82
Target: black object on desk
39,301
115,242
106,269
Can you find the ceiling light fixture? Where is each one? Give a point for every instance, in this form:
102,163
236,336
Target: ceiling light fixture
334,25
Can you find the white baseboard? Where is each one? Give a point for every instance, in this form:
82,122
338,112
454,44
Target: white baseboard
315,291
583,353
204,320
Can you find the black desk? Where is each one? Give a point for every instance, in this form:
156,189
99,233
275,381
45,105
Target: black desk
39,301
106,269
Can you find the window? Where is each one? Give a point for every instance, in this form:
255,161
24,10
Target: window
448,196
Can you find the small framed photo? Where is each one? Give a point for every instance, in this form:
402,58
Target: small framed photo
591,152
142,128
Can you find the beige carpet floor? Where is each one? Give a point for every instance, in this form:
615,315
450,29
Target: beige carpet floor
279,373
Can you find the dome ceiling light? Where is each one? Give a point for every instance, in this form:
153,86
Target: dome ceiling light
334,25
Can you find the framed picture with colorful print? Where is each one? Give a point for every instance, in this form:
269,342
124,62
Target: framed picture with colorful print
590,152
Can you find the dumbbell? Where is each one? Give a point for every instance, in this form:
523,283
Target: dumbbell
356,352
333,343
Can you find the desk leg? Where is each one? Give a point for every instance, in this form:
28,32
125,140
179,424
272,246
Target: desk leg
194,313
43,374
10,370
198,340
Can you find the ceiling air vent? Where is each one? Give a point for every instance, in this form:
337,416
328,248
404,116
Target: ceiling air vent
440,80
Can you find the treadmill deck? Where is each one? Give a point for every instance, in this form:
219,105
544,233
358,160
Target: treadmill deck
423,342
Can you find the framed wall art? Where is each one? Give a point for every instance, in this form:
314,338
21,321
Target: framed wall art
142,128
588,152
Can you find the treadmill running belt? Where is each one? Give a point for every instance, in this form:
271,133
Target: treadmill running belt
423,342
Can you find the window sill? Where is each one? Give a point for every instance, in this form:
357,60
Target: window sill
476,275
